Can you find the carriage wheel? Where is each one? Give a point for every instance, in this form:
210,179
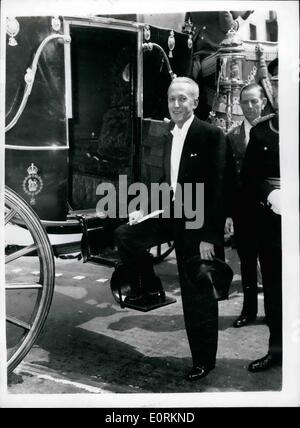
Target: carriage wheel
29,277
160,252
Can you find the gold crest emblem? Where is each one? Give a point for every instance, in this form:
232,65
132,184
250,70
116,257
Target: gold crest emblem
32,183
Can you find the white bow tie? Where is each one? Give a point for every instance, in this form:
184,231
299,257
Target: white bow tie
176,131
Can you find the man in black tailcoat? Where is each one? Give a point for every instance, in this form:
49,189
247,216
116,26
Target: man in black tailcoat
261,183
194,152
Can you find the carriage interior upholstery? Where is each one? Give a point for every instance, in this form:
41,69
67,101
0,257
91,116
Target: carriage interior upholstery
101,131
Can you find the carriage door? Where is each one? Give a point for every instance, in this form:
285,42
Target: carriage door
101,110
36,146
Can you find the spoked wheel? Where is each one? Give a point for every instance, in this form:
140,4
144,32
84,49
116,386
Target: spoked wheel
160,252
29,277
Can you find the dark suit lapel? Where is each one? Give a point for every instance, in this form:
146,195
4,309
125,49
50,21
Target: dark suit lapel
188,148
238,140
167,157
243,135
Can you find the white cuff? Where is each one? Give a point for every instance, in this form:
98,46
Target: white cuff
274,198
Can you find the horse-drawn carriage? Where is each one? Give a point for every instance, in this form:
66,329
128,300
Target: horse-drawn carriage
86,104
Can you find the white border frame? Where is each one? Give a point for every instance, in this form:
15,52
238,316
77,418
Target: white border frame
289,156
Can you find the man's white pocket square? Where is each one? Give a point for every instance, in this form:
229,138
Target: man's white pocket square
193,155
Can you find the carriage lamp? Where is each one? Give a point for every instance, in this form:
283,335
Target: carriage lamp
12,29
147,32
229,80
171,43
188,28
251,76
55,23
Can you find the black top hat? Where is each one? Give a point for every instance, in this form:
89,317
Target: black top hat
216,270
273,67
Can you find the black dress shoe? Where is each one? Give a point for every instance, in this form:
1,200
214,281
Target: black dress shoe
156,295
243,320
198,372
264,363
133,297
152,296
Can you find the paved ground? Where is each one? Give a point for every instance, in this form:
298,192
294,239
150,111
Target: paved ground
89,344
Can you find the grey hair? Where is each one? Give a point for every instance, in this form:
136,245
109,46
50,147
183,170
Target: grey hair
194,86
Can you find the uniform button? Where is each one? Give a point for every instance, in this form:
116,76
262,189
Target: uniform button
204,27
202,38
265,148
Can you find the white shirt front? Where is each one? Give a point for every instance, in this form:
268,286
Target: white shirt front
179,135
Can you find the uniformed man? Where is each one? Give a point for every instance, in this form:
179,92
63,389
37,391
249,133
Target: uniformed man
210,29
261,183
240,217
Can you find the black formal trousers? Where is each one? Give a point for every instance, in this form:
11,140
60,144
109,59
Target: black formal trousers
270,257
246,241
238,207
199,305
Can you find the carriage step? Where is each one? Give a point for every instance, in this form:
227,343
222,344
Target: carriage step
88,213
89,218
145,305
106,260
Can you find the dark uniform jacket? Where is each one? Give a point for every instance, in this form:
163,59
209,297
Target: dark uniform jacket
236,140
211,28
236,147
237,204
260,175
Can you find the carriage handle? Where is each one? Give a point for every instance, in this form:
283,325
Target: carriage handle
30,76
149,46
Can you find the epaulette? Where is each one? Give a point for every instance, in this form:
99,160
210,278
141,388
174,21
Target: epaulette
263,119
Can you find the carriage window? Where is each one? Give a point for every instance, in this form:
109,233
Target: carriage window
253,35
156,81
272,27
